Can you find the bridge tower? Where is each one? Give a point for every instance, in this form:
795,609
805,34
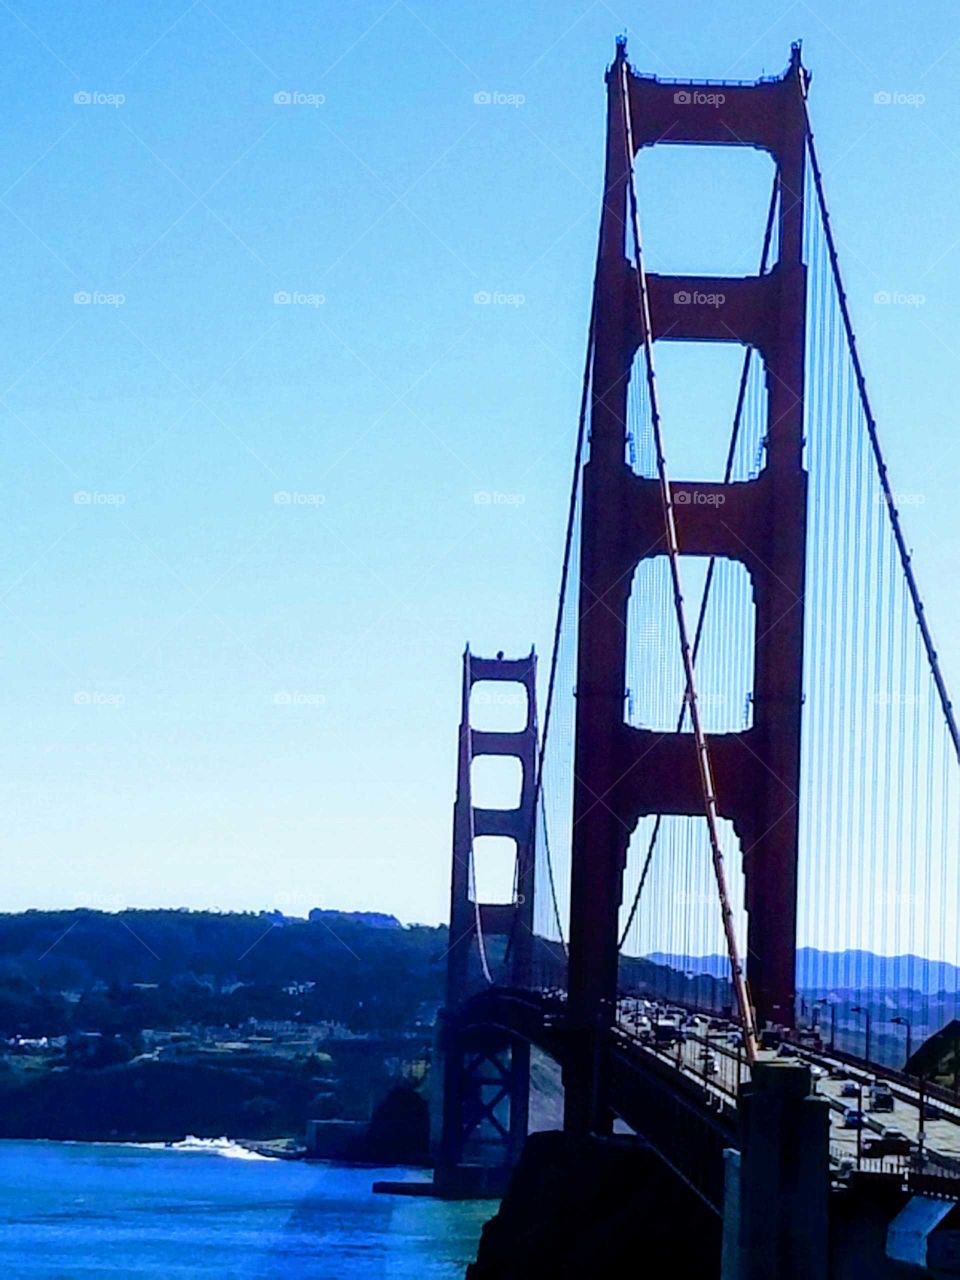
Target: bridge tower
486,1071
621,772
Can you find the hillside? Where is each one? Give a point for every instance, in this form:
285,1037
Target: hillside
64,971
155,1024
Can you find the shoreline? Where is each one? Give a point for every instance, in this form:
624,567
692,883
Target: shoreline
285,1149
266,1148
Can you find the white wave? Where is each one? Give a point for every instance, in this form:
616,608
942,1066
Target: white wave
216,1146
213,1146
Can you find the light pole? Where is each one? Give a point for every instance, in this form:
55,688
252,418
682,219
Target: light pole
859,1008
905,1023
704,1052
817,1006
815,1012
859,1122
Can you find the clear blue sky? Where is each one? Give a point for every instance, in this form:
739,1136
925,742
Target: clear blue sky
211,698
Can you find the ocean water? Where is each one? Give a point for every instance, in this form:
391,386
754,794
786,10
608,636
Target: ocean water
82,1210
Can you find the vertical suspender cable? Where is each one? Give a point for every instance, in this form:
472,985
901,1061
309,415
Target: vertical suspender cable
703,758
897,528
472,867
708,580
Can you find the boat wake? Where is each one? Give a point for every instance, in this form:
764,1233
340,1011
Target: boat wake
212,1146
216,1146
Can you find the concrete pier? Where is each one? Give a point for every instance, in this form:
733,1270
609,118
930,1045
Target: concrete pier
783,1178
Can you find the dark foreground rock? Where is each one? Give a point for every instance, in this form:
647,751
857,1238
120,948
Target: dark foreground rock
399,1130
599,1209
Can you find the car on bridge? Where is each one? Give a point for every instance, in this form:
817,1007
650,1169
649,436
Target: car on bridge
850,1089
808,1038
667,1032
881,1098
890,1142
853,1119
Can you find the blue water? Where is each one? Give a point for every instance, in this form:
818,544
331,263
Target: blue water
78,1210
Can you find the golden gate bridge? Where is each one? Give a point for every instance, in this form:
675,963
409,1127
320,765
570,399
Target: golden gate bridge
737,838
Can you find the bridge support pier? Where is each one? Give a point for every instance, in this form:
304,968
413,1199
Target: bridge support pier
486,1088
776,1221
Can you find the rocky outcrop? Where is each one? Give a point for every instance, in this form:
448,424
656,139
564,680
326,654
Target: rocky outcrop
597,1209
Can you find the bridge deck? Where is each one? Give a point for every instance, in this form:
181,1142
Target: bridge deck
681,1097
940,1141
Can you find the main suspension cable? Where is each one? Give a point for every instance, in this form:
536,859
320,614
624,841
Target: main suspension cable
673,551
564,579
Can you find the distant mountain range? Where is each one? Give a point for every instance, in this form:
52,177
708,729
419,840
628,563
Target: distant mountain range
841,970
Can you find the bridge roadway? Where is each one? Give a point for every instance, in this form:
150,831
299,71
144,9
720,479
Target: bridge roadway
940,1140
646,1091
672,1097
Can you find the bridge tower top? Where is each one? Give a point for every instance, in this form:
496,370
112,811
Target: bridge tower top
761,524
477,928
